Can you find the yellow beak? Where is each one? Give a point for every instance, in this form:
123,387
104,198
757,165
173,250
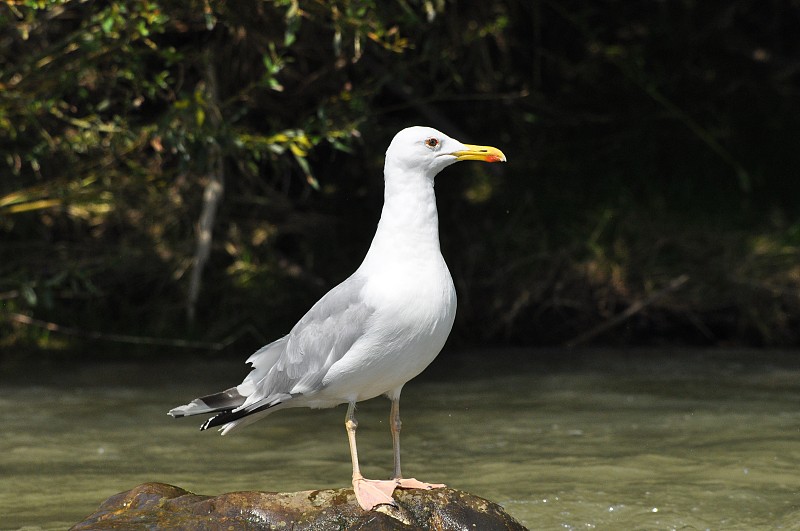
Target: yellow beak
484,153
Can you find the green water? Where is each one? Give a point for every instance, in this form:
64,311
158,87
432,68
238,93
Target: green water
589,440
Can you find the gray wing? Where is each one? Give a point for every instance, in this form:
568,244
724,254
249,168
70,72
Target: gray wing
297,363
293,365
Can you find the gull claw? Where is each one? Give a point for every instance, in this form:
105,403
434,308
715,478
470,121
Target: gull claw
413,483
372,492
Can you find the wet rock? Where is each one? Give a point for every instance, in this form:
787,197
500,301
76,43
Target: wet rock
161,506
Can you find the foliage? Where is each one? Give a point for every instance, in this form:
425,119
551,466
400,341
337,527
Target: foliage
111,114
647,141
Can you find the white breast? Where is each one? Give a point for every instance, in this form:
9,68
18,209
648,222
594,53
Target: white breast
417,307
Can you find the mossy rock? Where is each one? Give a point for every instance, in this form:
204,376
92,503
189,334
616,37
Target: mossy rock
161,506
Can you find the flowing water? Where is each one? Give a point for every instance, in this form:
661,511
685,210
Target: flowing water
563,440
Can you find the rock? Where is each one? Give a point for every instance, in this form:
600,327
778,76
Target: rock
161,506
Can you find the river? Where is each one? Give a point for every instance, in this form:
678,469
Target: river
589,439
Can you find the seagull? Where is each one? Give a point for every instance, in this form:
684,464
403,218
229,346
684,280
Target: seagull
376,330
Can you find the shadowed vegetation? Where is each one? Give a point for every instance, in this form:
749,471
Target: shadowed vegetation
204,171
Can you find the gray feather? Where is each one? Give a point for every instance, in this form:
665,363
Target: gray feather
294,365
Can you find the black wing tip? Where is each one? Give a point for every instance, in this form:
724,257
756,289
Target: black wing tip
228,416
216,421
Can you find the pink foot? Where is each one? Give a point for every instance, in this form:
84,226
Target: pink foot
412,483
371,492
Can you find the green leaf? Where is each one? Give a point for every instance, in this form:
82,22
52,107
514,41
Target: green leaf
107,24
29,295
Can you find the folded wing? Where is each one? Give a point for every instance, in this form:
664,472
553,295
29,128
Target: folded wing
292,366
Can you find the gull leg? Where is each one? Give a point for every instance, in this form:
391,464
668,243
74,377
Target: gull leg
369,492
395,425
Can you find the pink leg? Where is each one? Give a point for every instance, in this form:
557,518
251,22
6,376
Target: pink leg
400,481
369,492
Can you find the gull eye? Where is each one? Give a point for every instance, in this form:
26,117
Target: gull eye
432,142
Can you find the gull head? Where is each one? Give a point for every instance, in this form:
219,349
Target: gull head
428,151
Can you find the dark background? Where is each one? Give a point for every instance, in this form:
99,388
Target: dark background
651,194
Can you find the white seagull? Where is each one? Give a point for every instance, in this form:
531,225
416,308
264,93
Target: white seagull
376,330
